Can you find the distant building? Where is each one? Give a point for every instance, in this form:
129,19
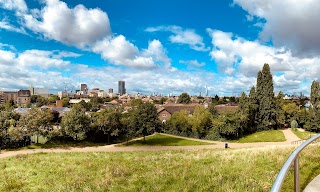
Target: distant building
165,112
39,91
83,88
110,90
121,87
23,97
62,94
8,96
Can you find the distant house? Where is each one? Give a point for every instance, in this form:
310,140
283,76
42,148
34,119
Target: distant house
21,111
61,110
166,111
223,108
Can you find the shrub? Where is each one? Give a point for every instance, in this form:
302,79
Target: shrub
294,124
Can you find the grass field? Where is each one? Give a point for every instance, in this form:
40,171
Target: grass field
60,144
303,134
263,136
252,169
163,140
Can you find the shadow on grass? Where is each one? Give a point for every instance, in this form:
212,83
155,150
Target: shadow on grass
61,144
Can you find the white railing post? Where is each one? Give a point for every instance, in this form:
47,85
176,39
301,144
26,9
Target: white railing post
293,158
296,175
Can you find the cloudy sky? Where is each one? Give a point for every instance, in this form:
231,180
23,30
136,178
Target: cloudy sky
160,46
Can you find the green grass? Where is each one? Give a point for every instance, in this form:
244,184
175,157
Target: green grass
60,144
251,169
263,136
163,140
303,135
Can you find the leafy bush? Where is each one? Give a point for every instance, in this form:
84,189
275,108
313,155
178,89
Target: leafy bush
294,124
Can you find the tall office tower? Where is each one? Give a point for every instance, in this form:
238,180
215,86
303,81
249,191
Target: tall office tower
110,90
83,87
121,87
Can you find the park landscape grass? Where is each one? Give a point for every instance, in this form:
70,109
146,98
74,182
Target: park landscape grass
304,135
164,140
250,169
263,136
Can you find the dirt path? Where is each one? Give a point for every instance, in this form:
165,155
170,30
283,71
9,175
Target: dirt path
290,136
112,148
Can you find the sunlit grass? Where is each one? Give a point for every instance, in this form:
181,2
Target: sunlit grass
263,136
163,140
304,135
252,169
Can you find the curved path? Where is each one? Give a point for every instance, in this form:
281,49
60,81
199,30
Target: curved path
290,136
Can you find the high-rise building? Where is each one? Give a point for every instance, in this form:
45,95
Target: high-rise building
121,87
110,90
84,88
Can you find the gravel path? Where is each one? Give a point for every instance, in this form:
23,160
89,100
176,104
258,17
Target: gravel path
290,136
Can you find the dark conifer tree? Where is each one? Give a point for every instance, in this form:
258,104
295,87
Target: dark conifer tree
266,117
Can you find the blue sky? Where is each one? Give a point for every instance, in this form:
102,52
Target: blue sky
164,47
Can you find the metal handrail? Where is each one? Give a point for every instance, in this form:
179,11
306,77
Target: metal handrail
284,170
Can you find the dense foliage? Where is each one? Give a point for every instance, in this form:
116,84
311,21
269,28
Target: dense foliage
259,110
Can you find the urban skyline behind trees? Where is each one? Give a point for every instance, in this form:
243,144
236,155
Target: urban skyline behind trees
259,110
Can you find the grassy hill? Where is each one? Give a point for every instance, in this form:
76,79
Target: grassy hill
164,140
263,136
252,169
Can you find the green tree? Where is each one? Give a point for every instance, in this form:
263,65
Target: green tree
291,111
294,124
65,102
52,99
267,116
180,123
253,111
281,117
244,109
41,101
109,122
228,125
75,123
184,98
5,123
315,94
145,119
212,109
37,122
201,121
163,100
136,102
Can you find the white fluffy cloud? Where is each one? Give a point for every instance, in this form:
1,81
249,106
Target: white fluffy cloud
14,5
182,36
44,59
294,24
17,70
78,26
4,24
193,63
120,51
235,55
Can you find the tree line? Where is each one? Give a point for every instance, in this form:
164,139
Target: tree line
258,111
107,125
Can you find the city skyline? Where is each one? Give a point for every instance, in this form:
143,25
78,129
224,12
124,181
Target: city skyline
158,47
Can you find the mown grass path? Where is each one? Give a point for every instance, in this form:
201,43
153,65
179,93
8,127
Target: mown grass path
112,148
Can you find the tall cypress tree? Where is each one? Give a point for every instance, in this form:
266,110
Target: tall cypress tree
244,112
266,116
253,110
315,93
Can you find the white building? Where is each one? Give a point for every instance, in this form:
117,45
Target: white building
39,91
